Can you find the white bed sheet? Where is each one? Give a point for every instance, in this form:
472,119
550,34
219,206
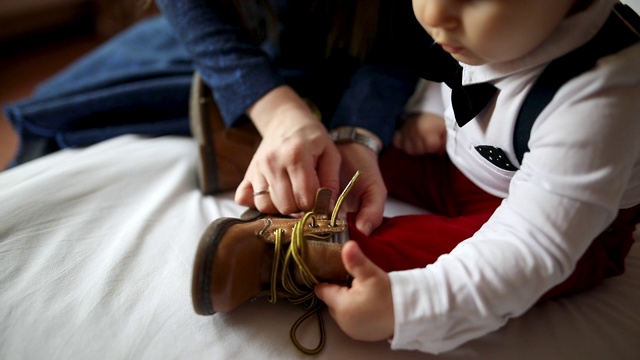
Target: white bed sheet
96,253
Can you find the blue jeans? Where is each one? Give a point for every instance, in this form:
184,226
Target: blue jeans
137,82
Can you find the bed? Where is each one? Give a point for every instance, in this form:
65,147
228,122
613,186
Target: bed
96,252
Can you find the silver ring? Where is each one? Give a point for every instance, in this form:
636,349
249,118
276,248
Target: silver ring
260,192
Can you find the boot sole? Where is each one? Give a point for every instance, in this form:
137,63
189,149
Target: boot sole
202,132
204,262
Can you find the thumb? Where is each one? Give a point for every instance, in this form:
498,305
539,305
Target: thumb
356,262
370,214
330,294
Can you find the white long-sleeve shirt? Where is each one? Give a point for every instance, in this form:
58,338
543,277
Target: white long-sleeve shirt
582,167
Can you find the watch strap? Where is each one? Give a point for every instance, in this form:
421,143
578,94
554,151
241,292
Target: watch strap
351,134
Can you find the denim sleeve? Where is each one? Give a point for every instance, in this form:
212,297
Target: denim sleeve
234,67
375,98
379,90
240,72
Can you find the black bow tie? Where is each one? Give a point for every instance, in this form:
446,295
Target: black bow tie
467,100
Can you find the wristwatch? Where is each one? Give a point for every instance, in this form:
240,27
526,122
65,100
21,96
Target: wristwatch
351,134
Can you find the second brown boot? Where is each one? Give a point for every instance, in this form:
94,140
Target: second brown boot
224,153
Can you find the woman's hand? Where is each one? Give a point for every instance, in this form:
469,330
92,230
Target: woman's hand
368,196
294,159
363,311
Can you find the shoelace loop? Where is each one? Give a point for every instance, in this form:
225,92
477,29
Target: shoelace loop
281,266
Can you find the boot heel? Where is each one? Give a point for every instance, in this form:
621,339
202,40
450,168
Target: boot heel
204,262
224,153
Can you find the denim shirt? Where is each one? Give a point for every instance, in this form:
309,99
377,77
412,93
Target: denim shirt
369,93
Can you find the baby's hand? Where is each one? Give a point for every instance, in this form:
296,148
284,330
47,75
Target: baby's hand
421,133
365,310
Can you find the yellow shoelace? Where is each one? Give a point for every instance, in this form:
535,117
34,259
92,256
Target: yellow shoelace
281,267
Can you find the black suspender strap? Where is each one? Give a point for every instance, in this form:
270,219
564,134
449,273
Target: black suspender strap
619,32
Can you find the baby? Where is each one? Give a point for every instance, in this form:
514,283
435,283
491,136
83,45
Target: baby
538,194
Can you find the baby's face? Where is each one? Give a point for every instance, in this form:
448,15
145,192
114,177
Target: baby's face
490,31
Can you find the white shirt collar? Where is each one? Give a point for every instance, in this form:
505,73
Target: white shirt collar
572,33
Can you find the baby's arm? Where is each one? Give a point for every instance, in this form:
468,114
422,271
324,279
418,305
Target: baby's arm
423,130
421,133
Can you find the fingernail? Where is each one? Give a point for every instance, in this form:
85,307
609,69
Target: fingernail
366,229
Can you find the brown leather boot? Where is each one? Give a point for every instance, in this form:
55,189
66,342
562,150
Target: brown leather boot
266,255
278,257
224,153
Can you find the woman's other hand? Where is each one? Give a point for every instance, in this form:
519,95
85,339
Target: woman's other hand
368,196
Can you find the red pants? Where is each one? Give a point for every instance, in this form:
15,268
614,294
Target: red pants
458,209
